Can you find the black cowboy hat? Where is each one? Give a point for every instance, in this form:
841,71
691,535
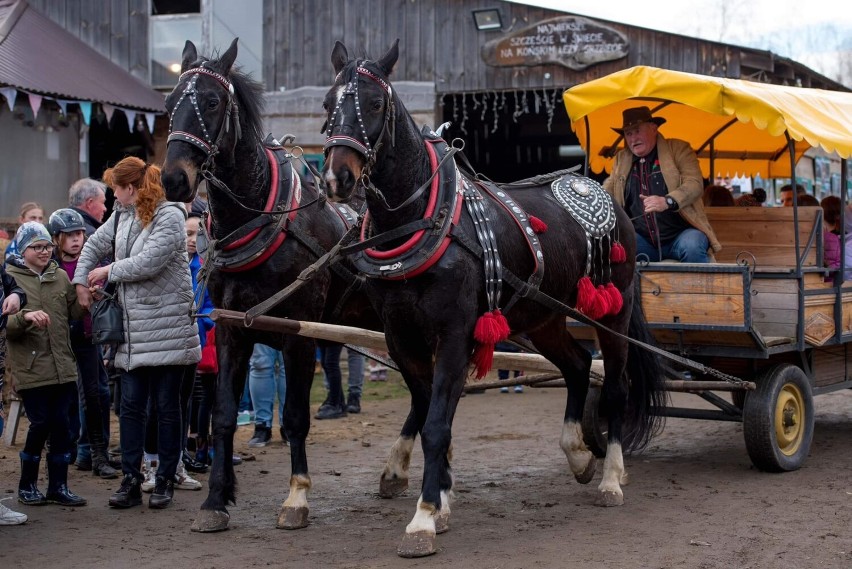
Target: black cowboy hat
636,116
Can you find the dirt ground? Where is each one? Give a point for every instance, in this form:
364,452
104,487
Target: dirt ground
694,501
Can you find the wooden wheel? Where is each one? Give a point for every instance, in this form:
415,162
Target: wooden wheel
778,419
595,426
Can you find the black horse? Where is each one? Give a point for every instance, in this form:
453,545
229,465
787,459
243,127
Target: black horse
442,273
267,224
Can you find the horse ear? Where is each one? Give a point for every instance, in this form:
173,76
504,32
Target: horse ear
388,60
339,57
228,58
190,56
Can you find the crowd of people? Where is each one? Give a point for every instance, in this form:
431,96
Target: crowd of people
145,254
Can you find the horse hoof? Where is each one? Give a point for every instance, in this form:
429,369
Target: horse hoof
586,476
417,544
292,518
625,479
209,521
442,523
609,498
392,487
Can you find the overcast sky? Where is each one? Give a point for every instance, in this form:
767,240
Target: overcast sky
810,32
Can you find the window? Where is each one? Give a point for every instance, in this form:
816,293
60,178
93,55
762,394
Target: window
211,25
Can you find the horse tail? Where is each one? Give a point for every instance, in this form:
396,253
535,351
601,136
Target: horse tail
646,398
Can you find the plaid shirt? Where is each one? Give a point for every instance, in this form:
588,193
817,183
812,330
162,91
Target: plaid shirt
646,179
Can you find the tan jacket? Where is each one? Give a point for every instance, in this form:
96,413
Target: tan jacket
679,166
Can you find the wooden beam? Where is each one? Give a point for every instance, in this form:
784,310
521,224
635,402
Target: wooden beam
370,339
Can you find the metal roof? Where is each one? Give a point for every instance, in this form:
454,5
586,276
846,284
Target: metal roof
37,55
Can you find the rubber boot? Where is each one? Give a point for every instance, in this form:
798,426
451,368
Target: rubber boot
57,482
28,492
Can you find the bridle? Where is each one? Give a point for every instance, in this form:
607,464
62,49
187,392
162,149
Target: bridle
232,114
361,145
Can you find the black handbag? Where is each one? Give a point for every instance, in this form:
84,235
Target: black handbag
107,314
107,320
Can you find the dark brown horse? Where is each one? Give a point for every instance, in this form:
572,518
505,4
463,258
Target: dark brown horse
268,223
443,272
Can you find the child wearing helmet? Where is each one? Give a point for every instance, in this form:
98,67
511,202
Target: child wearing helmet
69,235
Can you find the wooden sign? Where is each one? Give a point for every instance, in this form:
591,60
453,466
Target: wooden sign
571,41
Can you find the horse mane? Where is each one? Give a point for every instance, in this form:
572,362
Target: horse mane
249,96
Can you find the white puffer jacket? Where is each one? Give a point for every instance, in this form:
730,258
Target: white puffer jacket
151,268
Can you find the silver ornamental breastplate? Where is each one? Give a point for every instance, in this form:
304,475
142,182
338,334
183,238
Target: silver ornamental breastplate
590,205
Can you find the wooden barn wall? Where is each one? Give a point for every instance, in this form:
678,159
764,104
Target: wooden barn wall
118,29
438,43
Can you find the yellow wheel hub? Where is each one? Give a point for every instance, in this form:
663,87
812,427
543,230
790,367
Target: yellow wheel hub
789,419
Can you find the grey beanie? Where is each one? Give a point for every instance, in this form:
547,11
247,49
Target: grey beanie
29,233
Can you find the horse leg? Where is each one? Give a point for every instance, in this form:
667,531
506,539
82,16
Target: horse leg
299,367
558,346
614,394
433,506
394,479
234,352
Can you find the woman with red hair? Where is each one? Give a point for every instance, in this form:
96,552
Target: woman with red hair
151,273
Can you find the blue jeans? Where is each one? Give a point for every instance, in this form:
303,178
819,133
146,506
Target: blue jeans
266,378
330,358
162,384
688,247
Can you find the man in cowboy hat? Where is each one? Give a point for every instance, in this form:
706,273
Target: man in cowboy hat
658,182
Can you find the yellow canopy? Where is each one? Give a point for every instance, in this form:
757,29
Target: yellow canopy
743,122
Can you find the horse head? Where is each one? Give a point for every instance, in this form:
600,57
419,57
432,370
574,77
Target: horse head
211,109
361,119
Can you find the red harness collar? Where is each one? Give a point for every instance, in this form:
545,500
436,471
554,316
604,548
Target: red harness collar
419,238
276,194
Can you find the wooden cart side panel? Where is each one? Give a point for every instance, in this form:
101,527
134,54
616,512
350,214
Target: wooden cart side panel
712,299
829,365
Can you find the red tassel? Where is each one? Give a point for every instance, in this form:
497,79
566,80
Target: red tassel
585,295
492,327
482,359
601,305
537,225
616,301
617,254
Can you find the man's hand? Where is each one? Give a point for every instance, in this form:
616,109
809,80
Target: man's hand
654,204
12,304
38,318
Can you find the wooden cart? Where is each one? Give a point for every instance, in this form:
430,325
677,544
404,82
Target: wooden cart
767,310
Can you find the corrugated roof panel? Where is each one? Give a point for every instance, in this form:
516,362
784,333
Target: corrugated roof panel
39,56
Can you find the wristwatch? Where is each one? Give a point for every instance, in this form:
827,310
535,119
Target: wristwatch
671,203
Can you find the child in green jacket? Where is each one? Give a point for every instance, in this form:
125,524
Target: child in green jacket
43,364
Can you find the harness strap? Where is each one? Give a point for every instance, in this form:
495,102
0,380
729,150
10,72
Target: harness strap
485,235
386,237
548,301
502,197
332,256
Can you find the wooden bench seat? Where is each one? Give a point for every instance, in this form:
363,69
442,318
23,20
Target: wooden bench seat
768,234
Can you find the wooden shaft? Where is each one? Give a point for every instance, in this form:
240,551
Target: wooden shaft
502,360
